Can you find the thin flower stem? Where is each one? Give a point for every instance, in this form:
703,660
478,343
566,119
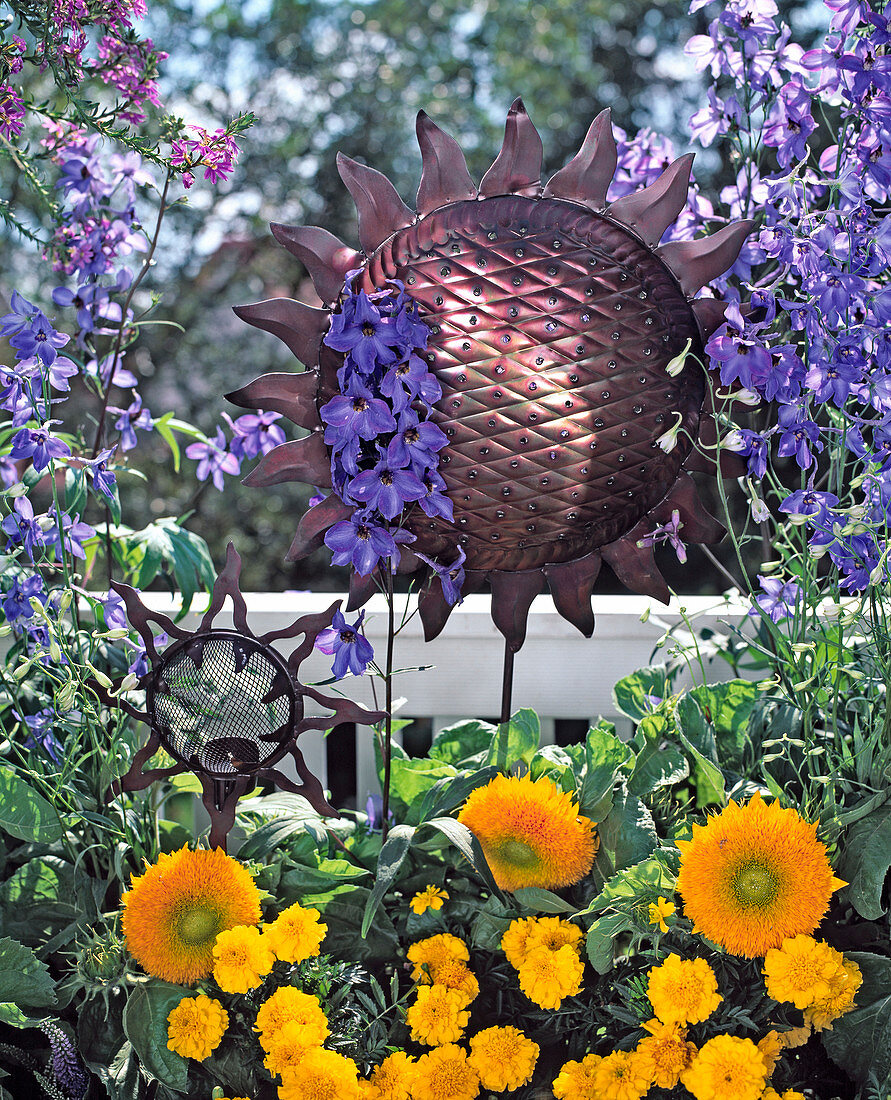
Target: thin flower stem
387,746
119,339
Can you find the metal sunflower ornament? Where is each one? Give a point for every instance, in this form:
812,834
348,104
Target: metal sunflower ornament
506,384
225,705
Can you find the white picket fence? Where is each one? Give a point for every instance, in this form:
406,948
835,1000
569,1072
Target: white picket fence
560,674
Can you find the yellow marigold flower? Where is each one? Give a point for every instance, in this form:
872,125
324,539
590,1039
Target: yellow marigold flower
438,1016
453,975
843,987
368,1091
801,971
434,951
658,911
770,1047
528,933
286,1047
173,913
546,977
196,1026
576,1080
289,1005
321,1075
726,1068
754,876
445,1074
515,941
683,991
242,959
394,1078
621,1076
431,897
504,1058
531,832
665,1053
295,934
789,1094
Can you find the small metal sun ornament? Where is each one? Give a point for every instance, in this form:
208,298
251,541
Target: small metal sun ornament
225,705
552,317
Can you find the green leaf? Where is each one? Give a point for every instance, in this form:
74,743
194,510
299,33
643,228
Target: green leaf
39,899
162,426
186,555
389,864
564,765
866,858
699,740
410,779
11,1014
631,692
24,813
490,923
145,1025
542,901
515,740
468,845
727,707
627,834
446,794
860,1041
342,910
601,937
644,881
604,755
657,767
457,744
24,979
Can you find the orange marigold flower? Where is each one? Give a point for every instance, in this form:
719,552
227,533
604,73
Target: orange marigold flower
665,1052
321,1075
683,991
174,912
431,897
726,1068
438,1016
531,832
445,1074
242,959
754,876
504,1058
434,951
394,1077
576,1080
621,1076
528,933
843,987
295,934
546,977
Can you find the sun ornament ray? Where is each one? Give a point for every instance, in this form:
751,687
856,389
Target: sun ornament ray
552,318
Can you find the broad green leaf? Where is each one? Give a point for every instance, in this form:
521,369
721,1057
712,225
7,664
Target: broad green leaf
637,694
600,940
447,794
24,980
604,755
457,744
727,707
515,741
39,900
389,864
627,834
644,881
866,858
11,1014
24,813
563,764
342,911
657,767
542,901
468,845
698,739
860,1041
410,779
145,1025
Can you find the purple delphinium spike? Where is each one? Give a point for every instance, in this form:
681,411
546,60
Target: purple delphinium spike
366,336
352,651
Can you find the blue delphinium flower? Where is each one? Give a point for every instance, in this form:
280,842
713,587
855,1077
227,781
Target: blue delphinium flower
366,336
362,543
40,733
17,599
352,650
450,576
386,488
214,459
779,599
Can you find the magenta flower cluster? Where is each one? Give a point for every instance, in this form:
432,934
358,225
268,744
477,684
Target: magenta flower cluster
384,446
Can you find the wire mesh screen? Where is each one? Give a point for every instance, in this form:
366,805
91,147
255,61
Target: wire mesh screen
223,704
